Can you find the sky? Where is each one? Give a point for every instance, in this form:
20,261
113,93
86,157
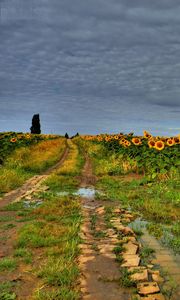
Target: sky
90,66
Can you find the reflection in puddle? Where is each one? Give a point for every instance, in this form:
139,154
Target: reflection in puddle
86,192
32,204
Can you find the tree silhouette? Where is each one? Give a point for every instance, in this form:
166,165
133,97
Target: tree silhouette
66,135
36,127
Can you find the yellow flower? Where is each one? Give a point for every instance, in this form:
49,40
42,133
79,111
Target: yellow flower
159,145
170,142
147,135
151,143
136,141
13,140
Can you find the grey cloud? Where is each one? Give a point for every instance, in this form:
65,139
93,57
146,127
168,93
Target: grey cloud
90,64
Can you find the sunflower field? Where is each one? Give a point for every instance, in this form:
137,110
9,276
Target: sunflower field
150,155
9,141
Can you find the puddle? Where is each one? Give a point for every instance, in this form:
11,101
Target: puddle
32,204
164,257
86,192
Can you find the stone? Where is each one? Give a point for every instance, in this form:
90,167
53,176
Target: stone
130,248
131,260
117,211
146,288
153,297
100,210
139,274
156,276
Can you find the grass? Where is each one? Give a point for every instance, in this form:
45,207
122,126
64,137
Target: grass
146,254
6,291
27,161
8,264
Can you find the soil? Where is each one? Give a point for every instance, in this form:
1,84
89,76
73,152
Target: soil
99,270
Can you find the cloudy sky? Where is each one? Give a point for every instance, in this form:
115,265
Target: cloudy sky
90,65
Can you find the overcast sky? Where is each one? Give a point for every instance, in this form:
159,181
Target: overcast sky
90,65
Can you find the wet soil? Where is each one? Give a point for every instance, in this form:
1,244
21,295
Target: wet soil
99,270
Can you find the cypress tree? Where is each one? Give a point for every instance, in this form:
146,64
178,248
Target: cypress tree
36,127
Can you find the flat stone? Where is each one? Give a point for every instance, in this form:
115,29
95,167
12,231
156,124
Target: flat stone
153,297
130,248
140,274
146,288
100,210
131,260
156,276
117,211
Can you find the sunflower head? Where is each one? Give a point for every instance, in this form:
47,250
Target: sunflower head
147,135
170,142
151,143
13,140
177,140
159,145
136,141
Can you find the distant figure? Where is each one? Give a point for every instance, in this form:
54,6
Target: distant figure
36,127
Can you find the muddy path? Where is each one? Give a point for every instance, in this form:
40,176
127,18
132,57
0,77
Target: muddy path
157,278
32,184
99,269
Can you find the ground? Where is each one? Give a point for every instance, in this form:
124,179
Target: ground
60,240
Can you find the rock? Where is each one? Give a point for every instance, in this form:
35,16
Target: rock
146,288
150,266
153,297
139,274
130,248
117,211
100,210
131,260
156,276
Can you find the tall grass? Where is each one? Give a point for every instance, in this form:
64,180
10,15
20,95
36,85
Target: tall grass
28,161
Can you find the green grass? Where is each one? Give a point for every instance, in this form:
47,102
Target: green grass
8,264
6,291
146,254
60,294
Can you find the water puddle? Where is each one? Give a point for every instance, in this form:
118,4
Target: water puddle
86,192
32,204
164,257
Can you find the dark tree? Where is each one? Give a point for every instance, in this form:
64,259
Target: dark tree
36,127
66,136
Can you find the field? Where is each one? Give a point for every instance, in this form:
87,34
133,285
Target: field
93,217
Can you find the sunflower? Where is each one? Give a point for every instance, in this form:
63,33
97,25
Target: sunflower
170,142
107,138
116,137
13,140
151,143
177,139
28,136
127,143
159,145
136,141
147,135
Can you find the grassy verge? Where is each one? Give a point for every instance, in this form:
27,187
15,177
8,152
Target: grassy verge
28,161
48,238
157,202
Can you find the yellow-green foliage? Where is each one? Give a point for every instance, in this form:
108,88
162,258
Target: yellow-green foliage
71,163
25,162
38,157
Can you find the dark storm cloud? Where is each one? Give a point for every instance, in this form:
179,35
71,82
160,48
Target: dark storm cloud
94,65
